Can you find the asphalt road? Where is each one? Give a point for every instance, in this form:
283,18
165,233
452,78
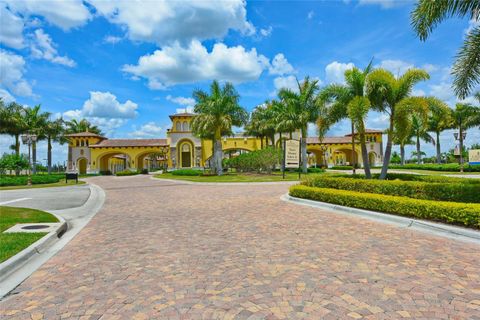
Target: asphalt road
46,198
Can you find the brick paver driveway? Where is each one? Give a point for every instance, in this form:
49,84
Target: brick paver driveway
162,249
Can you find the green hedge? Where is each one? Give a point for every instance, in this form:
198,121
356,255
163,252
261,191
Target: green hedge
454,167
418,177
187,172
22,180
450,212
126,173
341,168
457,192
263,160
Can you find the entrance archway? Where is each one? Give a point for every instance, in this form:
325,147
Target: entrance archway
113,162
185,154
344,157
82,166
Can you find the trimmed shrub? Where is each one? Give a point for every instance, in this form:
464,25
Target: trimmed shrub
418,177
256,161
187,172
143,171
316,170
341,168
457,192
126,173
23,180
455,167
450,212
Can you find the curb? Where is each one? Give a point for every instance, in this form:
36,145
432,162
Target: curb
291,182
39,246
433,228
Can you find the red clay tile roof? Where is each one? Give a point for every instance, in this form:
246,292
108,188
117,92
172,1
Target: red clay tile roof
131,143
312,140
183,114
368,131
84,134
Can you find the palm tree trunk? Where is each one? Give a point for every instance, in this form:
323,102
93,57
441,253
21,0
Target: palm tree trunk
439,152
49,155
353,149
402,154
461,146
419,156
217,153
366,162
303,147
34,158
261,142
388,151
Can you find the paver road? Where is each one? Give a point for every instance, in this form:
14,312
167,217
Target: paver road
166,250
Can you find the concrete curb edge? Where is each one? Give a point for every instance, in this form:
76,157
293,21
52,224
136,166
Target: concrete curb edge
438,229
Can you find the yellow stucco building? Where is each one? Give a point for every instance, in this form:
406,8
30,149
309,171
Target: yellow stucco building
92,153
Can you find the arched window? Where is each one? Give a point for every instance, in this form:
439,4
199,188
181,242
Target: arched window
86,143
185,126
77,143
82,143
179,126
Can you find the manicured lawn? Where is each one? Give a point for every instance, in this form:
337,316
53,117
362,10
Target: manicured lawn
12,243
236,177
60,183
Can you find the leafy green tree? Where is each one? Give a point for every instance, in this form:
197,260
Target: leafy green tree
395,158
54,132
217,112
12,122
439,120
349,100
464,116
13,162
428,14
386,92
35,120
301,108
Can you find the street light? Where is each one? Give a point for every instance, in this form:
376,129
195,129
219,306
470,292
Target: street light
461,137
29,139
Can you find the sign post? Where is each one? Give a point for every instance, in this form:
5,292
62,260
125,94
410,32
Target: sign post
291,155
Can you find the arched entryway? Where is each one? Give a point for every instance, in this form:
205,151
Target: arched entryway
185,154
110,163
82,165
371,158
344,157
153,161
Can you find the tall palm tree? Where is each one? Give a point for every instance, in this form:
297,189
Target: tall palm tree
425,17
402,141
338,98
439,120
74,126
35,120
262,123
301,108
11,122
464,116
385,92
217,112
54,132
420,132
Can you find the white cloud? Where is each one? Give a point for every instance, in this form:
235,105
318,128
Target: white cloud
443,91
104,110
397,67
418,92
11,29
385,4
430,67
43,47
288,82
112,39
266,32
310,14
165,22
150,129
65,14
335,71
177,64
187,102
280,66
106,105
6,96
12,68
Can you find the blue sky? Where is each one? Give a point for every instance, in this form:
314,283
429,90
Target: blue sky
127,65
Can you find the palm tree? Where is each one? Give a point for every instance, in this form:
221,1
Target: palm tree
439,120
428,14
402,141
11,122
54,132
35,120
217,112
419,131
301,108
344,101
464,116
74,126
385,92
262,123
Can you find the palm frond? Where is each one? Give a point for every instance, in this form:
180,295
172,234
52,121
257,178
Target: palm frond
466,69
